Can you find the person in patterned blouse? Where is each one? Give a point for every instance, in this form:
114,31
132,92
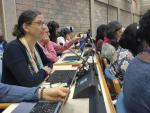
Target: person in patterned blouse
110,43
125,52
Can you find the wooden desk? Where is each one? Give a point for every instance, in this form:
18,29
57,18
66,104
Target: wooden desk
4,105
82,105
71,106
105,92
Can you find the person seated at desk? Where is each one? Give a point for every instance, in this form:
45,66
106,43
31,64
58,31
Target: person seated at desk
12,93
125,53
24,62
136,88
53,30
110,43
100,34
64,36
51,48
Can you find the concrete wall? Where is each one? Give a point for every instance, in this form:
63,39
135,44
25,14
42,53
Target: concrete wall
82,14
125,18
100,13
65,12
145,5
112,13
77,12
122,10
0,22
8,18
0,17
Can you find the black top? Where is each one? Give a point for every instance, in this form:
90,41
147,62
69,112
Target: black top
16,68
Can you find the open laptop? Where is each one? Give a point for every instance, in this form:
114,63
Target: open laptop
75,57
52,107
44,106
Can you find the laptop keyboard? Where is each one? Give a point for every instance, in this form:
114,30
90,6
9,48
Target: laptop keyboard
46,107
71,58
62,76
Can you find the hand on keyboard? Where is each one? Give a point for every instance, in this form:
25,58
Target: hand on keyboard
55,94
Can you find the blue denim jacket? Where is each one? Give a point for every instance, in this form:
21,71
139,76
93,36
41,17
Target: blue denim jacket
136,89
11,93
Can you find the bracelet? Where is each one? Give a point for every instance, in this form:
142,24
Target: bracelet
41,93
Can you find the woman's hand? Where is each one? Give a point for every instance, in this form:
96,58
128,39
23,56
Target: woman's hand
45,39
75,38
55,94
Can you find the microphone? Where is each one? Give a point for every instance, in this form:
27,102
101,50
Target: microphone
85,65
80,56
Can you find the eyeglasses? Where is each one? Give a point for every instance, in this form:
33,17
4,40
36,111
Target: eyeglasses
40,23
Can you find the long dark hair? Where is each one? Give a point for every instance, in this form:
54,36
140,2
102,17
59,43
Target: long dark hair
101,32
26,17
52,26
128,39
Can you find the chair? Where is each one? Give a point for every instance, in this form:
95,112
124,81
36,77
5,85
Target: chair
111,78
120,107
105,91
100,60
4,105
105,61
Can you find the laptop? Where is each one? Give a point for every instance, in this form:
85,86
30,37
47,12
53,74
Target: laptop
53,107
62,76
77,57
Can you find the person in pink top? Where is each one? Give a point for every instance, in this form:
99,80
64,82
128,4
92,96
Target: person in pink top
51,49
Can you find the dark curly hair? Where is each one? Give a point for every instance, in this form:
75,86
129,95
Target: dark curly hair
128,39
64,32
26,17
52,26
144,29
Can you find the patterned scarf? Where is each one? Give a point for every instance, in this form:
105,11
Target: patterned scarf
31,59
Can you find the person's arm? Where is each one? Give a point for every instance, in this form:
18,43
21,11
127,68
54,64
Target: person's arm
11,93
59,49
14,60
50,52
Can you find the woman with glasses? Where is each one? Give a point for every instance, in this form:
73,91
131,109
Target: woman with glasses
110,42
24,63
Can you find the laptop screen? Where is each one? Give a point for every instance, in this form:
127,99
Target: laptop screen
66,98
